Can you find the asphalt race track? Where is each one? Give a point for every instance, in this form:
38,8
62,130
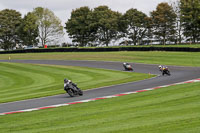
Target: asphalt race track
178,74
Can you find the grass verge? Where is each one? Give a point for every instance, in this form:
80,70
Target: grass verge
173,109
155,57
26,81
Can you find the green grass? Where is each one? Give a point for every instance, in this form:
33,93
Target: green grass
165,58
174,109
26,81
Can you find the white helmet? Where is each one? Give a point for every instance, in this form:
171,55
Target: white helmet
160,66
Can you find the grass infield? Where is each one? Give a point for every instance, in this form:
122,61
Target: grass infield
173,109
26,81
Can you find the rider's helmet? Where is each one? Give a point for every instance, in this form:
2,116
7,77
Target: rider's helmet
65,80
160,66
69,81
124,63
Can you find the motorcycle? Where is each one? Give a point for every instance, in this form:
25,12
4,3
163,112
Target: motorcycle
127,67
166,71
72,89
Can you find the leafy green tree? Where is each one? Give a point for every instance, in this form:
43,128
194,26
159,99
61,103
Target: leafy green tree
106,24
137,25
28,30
80,26
190,16
164,19
50,28
9,23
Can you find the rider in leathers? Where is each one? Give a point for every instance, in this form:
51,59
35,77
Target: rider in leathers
163,69
69,83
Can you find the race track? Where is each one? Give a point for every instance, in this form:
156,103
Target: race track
179,74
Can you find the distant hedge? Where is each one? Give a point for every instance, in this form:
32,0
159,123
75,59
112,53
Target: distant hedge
102,49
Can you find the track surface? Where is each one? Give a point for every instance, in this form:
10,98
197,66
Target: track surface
179,74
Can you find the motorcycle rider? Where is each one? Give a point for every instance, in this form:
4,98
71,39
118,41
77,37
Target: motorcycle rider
163,69
68,83
127,66
160,68
124,64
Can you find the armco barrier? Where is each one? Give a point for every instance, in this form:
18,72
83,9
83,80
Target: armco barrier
102,49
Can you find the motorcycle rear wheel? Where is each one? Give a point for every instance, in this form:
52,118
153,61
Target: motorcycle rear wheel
71,92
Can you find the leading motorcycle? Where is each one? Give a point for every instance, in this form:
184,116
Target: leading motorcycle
127,67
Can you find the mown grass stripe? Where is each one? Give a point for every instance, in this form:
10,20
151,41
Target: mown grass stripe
26,81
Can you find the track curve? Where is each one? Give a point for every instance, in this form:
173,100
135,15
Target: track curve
179,74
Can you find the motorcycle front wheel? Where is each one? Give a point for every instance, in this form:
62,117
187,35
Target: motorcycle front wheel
168,73
80,92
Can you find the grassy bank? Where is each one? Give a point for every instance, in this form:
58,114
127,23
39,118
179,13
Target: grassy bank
167,58
26,81
173,109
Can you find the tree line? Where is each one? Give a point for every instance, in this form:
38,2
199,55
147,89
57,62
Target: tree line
176,22
40,25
